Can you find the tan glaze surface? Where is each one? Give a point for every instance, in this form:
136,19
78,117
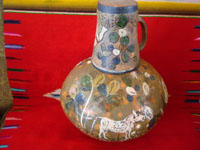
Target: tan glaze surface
114,107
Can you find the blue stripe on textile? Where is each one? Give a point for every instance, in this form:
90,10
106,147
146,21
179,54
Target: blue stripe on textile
4,146
196,49
193,91
14,46
12,21
197,27
10,127
18,90
192,100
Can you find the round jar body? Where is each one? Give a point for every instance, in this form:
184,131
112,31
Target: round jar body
114,107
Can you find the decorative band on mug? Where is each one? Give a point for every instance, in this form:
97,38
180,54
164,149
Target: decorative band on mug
113,72
117,10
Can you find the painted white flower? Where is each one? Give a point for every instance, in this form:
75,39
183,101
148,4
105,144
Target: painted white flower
132,54
147,74
148,112
122,32
134,75
102,33
89,62
73,91
131,91
145,88
138,126
107,53
116,52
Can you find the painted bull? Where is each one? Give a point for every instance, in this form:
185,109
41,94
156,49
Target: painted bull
124,126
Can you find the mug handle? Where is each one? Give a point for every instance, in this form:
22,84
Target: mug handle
144,33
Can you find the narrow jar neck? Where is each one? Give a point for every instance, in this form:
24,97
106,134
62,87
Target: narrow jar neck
116,46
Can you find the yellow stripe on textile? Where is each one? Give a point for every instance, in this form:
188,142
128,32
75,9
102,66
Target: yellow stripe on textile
169,7
55,5
90,6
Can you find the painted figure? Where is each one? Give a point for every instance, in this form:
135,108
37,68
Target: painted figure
124,126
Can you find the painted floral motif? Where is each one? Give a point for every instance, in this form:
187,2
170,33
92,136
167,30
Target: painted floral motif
131,91
86,83
80,98
107,96
100,36
122,21
73,91
121,50
75,98
116,52
134,75
93,99
147,75
114,37
148,112
125,57
124,41
145,88
122,33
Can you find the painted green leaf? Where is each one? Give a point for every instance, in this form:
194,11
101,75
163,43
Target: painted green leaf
70,104
114,37
100,78
122,21
125,57
131,48
124,41
113,87
114,99
127,81
103,47
86,82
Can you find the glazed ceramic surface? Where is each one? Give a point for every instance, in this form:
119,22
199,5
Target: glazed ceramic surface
114,107
116,48
115,95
